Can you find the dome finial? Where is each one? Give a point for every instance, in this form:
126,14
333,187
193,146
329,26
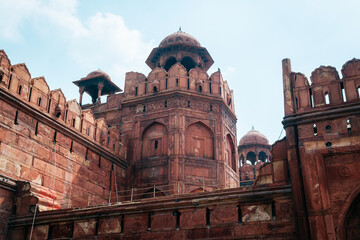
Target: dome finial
252,128
180,29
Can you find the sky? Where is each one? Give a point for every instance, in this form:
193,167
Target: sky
64,40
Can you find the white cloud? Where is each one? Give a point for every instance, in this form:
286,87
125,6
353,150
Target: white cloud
101,41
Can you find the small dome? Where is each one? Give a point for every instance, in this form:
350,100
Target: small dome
98,73
254,137
179,37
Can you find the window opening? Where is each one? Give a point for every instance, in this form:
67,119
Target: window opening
144,108
239,214
348,125
165,103
177,82
315,130
327,98
211,108
188,103
210,86
311,98
39,101
156,144
207,217
10,81
155,89
71,146
73,122
19,89
54,138
200,88
30,91
16,117
49,105
343,94
273,210
145,87
297,103
36,128
136,91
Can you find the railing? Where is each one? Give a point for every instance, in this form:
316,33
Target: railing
138,194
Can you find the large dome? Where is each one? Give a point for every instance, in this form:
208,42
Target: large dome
179,37
254,137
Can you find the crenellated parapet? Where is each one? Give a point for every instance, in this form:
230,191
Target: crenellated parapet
16,80
326,88
196,81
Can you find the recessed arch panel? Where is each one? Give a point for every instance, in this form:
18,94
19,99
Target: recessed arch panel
154,141
199,141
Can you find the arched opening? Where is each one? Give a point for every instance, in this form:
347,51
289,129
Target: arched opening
327,98
154,141
188,63
200,88
151,193
230,152
199,141
263,157
155,89
19,89
169,63
352,222
251,156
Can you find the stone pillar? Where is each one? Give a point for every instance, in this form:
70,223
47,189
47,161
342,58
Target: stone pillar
81,91
100,87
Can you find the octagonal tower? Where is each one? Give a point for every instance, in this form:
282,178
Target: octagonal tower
179,122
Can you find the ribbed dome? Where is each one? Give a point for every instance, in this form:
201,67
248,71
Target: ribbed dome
179,37
254,137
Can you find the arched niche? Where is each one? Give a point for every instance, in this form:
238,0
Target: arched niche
230,152
154,141
199,141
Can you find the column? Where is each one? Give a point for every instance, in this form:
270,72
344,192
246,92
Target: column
100,87
81,91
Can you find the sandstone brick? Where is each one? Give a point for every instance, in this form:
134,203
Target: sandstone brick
163,220
15,154
31,175
223,214
84,228
109,225
135,223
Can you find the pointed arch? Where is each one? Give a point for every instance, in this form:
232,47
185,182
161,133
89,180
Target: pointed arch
199,140
154,140
230,152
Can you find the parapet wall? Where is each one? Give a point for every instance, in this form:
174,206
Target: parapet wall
326,88
54,144
250,213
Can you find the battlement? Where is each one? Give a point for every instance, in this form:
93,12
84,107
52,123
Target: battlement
326,90
178,78
16,80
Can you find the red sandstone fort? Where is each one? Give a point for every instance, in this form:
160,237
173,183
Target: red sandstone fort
160,159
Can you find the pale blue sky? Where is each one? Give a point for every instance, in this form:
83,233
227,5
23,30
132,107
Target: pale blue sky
64,40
